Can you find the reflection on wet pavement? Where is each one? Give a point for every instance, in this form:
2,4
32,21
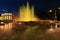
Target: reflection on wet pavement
31,33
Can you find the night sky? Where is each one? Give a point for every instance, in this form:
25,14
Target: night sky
13,5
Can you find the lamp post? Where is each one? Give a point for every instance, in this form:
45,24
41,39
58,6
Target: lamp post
51,27
55,18
55,13
50,13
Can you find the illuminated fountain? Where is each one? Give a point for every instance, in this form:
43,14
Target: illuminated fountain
26,13
26,17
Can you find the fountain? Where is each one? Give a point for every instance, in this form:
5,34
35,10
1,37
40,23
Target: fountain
26,14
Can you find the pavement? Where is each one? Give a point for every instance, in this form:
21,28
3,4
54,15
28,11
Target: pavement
31,33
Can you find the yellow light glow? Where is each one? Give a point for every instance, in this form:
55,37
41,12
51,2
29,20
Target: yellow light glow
20,23
26,14
6,27
51,30
1,27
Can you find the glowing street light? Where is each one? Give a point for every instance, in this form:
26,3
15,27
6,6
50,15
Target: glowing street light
59,8
50,10
51,29
2,22
55,18
20,23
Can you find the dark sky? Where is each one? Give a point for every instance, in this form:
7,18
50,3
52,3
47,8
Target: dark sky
13,5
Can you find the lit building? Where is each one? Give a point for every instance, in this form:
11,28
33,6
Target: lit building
8,20
1,18
7,16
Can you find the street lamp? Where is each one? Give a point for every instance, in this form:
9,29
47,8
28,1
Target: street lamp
50,10
50,14
59,8
55,18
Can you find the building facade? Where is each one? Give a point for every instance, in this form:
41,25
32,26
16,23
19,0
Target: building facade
7,16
